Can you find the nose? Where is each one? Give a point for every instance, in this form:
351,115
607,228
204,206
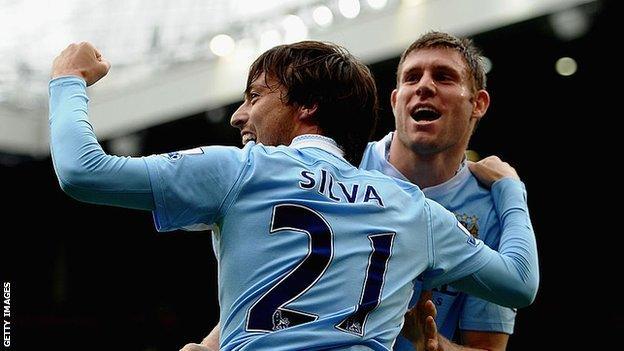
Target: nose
239,117
426,86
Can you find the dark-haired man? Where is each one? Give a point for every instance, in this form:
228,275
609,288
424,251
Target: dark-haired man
440,96
313,253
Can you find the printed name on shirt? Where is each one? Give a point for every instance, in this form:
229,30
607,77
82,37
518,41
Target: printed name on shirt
326,185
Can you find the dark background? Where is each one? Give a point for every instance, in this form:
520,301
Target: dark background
95,278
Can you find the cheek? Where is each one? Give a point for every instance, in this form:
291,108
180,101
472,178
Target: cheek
403,98
258,118
465,92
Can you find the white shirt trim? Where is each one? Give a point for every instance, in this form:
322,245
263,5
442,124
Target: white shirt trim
382,148
317,141
458,179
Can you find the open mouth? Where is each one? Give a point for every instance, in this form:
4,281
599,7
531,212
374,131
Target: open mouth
425,114
247,137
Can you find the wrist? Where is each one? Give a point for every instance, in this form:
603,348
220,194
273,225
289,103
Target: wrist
65,73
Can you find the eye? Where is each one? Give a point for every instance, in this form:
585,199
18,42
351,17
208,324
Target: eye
411,78
253,97
445,77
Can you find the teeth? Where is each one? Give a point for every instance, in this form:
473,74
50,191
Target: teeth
248,137
425,109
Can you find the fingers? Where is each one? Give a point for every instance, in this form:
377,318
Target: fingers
425,306
83,60
429,309
101,66
425,296
431,329
98,54
491,169
431,334
105,63
102,69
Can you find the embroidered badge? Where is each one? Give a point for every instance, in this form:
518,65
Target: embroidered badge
469,222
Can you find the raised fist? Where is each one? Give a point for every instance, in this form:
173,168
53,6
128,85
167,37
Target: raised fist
82,60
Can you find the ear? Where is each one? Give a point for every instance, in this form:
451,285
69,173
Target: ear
393,98
306,113
481,102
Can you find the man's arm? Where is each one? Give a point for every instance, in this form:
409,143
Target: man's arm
83,169
484,342
197,347
421,330
212,340
478,340
487,172
509,277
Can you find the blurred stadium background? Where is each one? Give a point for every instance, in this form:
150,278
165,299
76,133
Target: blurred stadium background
95,278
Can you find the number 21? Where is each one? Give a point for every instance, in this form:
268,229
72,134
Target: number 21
269,313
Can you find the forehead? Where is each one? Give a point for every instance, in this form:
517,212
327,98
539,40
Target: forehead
434,57
264,81
260,80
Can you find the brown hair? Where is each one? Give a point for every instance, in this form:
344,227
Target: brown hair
327,76
465,46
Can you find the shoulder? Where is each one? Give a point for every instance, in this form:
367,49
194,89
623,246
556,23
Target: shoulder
376,150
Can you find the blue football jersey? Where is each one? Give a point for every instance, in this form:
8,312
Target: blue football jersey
474,208
312,251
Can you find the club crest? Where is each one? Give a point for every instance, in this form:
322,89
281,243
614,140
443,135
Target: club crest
469,222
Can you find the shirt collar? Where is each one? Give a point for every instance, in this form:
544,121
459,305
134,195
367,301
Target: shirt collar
382,148
462,175
317,141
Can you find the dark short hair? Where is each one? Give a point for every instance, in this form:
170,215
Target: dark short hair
328,76
467,49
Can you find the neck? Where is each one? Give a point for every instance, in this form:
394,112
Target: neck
425,170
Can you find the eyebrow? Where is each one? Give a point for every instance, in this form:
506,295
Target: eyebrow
436,67
253,86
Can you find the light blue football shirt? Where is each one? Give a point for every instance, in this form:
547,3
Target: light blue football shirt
304,240
474,207
313,253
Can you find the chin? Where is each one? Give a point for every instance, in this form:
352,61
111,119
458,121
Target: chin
424,145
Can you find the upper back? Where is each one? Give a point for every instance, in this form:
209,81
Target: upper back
306,242
306,237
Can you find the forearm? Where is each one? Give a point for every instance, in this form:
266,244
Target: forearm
447,345
511,278
84,170
517,245
517,237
